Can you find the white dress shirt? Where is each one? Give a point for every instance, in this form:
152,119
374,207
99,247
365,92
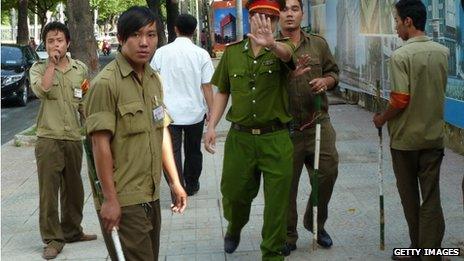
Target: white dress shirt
184,67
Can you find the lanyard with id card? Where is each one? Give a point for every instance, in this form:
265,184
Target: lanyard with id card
158,112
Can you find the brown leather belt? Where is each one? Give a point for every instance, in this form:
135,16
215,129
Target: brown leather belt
259,131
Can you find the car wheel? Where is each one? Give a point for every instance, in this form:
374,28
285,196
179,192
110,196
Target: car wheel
23,95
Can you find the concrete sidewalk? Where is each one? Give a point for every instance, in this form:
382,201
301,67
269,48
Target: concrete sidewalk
198,234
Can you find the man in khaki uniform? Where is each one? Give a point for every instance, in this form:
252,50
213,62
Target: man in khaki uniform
127,123
419,72
323,75
59,82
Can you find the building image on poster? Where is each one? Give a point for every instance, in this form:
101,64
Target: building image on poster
225,24
362,37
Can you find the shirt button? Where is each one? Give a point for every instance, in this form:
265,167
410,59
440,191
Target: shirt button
255,62
254,115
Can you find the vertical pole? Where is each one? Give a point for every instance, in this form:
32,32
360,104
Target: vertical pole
239,21
380,175
36,28
315,178
197,14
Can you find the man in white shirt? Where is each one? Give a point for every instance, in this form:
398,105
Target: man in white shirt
186,70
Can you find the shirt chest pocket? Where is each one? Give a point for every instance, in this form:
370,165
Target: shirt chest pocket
316,67
132,118
238,81
270,75
54,91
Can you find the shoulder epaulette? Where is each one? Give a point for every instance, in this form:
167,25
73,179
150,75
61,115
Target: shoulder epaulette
233,43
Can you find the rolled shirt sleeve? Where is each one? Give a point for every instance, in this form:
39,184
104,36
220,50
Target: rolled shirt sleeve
400,93
100,108
207,70
221,74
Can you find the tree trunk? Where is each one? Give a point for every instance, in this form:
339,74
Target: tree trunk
83,45
172,11
155,7
23,27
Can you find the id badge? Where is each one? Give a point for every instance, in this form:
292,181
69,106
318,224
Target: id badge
158,114
78,93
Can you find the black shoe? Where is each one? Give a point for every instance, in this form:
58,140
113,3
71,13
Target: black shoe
192,190
231,243
323,239
288,248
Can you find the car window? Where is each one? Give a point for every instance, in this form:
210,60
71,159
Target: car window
11,55
29,55
41,47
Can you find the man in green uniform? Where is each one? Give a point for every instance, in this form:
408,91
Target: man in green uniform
127,123
254,73
323,75
58,82
418,72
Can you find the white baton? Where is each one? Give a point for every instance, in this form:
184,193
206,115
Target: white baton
117,244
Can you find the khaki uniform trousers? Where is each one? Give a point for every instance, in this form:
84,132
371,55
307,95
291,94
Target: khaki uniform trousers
304,144
139,232
418,176
59,165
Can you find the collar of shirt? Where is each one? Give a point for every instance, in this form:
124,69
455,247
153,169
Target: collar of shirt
126,69
304,37
183,40
247,47
418,39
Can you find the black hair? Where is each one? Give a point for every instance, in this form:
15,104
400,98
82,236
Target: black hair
413,9
133,19
186,24
56,26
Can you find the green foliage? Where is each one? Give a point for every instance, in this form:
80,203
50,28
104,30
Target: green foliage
107,9
8,4
5,17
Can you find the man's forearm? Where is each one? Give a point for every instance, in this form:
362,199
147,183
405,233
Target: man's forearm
169,164
208,93
282,51
330,81
104,164
219,105
390,113
47,79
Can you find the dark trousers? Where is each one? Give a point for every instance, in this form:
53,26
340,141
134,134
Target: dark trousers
303,155
193,164
59,170
419,172
139,232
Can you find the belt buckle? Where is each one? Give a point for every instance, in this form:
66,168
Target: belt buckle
255,131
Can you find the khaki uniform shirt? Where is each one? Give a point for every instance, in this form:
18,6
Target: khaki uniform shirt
322,63
420,69
258,85
58,116
121,104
